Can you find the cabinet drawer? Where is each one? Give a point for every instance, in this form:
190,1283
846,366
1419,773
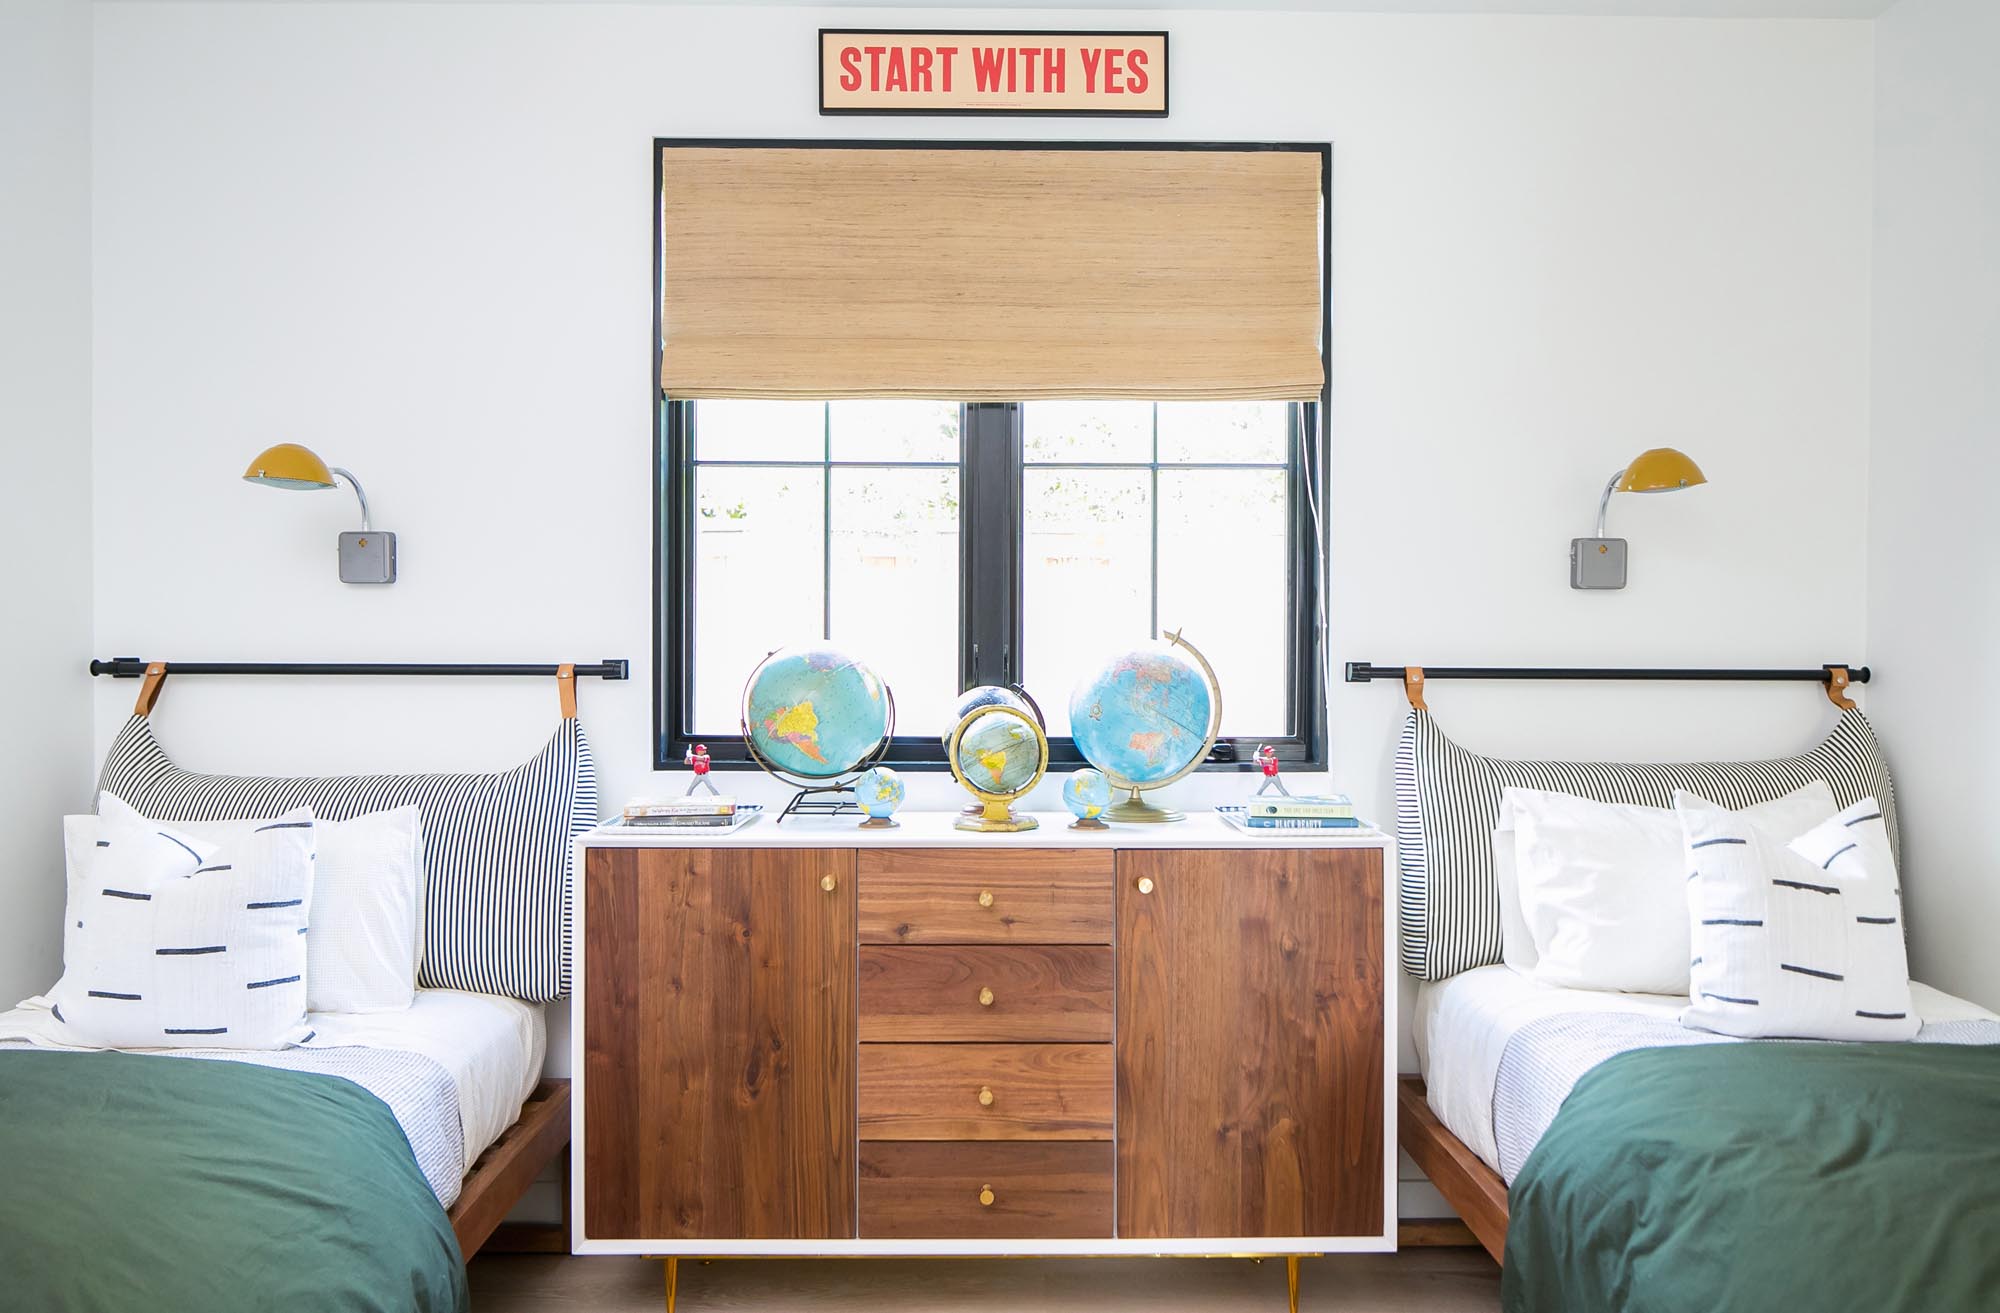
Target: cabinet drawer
975,896
986,1091
940,1191
986,992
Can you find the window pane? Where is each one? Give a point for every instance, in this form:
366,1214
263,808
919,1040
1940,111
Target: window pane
1224,578
757,559
1086,576
1063,431
895,584
1247,432
759,430
894,430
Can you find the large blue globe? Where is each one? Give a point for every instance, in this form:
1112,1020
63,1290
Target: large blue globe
815,712
1143,717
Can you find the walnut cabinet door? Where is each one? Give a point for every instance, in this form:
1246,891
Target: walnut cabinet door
1249,1043
719,1043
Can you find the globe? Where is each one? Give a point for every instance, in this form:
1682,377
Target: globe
815,712
984,695
879,792
999,753
1143,717
1086,793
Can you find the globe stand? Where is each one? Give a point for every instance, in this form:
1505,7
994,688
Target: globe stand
804,804
1135,810
1088,823
879,823
996,817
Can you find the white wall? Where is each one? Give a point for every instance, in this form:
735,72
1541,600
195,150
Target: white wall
46,766
1934,570
417,238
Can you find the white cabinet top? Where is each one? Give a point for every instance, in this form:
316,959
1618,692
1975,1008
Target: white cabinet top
935,830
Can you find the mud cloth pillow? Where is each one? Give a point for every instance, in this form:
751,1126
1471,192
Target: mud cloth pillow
177,942
1795,936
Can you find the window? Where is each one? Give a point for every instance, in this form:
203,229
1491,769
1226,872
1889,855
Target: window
950,544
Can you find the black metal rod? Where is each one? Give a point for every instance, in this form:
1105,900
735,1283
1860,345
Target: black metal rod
133,668
1362,672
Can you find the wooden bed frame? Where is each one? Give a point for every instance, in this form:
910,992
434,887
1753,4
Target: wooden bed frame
505,1171
1466,1183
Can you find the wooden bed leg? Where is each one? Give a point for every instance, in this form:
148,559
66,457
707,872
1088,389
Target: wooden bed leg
673,1281
1292,1282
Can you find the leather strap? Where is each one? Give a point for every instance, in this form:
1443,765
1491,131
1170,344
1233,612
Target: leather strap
566,689
1837,680
1413,687
154,679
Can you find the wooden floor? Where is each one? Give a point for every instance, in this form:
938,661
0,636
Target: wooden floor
1414,1281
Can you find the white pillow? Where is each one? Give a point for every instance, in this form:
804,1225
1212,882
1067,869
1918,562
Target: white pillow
1800,939
178,942
1517,942
364,939
1602,885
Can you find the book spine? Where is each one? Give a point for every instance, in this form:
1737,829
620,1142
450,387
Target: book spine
678,822
1302,823
676,813
1337,811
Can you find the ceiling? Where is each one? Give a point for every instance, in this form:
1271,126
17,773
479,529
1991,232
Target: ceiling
1600,8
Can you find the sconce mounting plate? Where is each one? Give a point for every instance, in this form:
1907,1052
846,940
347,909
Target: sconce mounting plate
1597,563
368,557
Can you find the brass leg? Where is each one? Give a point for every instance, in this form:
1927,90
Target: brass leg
673,1280
1291,1283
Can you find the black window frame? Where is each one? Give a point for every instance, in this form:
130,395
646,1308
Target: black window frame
990,528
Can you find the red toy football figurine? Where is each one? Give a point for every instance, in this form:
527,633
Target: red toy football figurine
1267,761
697,761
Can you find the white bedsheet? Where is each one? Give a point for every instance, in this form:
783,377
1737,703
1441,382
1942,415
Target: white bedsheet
1461,1027
492,1048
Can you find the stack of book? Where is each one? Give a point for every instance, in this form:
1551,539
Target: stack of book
682,813
1332,812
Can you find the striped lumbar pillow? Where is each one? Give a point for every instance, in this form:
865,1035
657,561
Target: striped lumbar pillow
1448,802
177,942
1798,939
496,847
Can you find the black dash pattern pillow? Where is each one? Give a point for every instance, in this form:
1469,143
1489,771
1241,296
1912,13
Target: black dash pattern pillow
496,846
1448,800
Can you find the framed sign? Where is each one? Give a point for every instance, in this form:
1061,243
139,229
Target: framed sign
916,71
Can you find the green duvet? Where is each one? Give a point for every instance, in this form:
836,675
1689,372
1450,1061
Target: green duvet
1766,1178
157,1184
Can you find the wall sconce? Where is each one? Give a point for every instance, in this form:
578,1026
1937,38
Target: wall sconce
1600,562
367,557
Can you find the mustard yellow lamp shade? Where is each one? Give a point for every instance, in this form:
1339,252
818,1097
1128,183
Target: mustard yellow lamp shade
288,465
1600,562
367,556
1663,469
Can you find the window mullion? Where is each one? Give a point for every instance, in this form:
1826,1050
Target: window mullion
991,533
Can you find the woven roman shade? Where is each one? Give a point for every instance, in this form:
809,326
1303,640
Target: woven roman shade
990,274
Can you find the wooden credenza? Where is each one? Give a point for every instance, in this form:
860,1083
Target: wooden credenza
811,1038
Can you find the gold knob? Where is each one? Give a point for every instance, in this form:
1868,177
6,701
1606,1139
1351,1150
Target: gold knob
1144,884
828,883
986,898
985,1096
985,997
985,1196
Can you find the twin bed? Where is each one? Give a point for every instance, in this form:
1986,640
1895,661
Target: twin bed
1613,1159
360,1164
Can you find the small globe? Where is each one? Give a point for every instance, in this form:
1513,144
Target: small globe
1143,717
999,753
1086,793
815,712
879,792
984,695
